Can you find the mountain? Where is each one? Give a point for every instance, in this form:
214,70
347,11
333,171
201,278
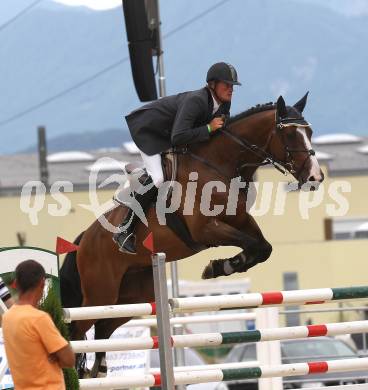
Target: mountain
279,47
87,140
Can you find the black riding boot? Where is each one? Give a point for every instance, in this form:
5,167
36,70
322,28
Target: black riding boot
126,239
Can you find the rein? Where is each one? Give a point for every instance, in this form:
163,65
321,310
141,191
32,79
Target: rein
268,159
288,165
185,151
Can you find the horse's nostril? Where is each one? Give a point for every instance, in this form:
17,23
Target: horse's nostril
316,178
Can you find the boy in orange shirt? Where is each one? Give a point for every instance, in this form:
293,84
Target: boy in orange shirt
35,349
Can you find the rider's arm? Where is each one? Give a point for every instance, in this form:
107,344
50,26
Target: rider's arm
190,111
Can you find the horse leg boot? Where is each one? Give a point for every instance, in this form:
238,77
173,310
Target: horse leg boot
217,233
144,195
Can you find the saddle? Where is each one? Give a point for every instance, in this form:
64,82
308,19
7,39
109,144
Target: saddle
174,220
135,170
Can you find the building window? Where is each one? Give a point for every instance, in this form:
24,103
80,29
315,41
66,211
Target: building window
346,229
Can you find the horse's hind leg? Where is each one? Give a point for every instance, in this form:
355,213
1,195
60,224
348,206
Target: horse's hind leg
78,331
100,283
79,328
136,287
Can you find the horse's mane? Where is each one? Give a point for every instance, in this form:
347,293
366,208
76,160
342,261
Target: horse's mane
253,110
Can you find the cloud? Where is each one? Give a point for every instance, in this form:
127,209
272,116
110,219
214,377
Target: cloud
280,87
356,7
345,7
306,71
97,5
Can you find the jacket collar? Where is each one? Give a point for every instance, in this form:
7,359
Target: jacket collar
210,104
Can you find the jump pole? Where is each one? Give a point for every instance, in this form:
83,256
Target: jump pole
196,319
272,298
221,302
224,338
216,303
166,379
219,375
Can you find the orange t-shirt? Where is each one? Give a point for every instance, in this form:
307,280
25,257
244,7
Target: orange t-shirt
30,337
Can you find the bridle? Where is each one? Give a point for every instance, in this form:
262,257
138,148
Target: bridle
289,162
284,166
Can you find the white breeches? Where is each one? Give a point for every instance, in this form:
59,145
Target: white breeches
154,167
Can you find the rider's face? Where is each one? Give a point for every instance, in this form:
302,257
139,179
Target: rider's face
224,91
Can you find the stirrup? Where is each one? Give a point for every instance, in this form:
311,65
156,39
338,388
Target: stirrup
126,243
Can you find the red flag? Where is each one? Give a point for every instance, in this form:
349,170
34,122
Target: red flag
13,285
148,243
63,246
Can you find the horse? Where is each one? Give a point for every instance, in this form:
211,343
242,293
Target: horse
98,274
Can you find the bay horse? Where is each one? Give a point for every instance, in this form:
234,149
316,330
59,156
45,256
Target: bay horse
98,274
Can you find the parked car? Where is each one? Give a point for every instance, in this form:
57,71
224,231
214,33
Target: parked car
297,351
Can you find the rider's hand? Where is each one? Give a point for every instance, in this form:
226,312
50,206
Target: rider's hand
216,123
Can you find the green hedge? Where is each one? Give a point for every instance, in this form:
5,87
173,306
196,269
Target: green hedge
52,305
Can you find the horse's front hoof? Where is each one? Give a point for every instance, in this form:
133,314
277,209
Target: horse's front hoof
226,267
214,269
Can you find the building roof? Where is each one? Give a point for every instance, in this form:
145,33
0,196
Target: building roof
18,169
342,159
348,158
70,156
337,138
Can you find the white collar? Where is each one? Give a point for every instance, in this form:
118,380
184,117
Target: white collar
215,104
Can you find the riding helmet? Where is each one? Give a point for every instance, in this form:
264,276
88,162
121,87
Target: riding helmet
221,71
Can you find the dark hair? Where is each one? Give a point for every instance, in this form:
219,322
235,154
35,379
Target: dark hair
28,274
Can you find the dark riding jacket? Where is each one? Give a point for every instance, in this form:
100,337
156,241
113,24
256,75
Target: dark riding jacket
173,121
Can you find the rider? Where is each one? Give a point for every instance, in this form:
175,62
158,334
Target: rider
182,119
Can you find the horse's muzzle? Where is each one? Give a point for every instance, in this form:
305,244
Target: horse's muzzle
312,182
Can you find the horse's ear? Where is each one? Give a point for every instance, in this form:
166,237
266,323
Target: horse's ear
300,105
281,107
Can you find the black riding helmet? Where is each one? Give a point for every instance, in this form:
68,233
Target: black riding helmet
222,71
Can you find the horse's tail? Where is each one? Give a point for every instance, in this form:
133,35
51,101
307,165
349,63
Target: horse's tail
70,285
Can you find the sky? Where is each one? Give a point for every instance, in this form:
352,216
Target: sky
305,68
